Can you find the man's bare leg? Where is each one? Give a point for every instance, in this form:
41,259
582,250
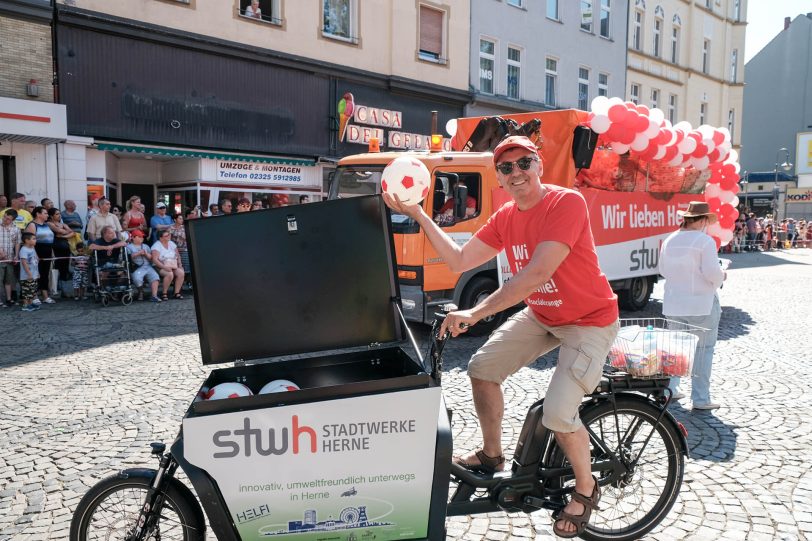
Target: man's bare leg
576,447
490,408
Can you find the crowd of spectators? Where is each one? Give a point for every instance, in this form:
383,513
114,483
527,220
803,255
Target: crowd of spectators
36,239
762,234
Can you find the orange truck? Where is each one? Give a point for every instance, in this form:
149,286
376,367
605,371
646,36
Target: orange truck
628,226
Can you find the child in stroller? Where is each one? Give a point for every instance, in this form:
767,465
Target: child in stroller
111,269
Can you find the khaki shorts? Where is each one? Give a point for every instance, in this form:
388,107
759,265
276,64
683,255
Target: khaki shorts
523,339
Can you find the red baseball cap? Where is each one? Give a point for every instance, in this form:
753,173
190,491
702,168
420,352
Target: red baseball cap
514,141
137,233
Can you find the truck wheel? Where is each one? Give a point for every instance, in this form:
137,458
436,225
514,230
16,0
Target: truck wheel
637,295
476,291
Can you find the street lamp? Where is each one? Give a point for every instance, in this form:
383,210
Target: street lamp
786,166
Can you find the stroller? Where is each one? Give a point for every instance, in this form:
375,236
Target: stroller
111,279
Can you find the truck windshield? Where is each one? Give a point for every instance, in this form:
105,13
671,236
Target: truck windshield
357,180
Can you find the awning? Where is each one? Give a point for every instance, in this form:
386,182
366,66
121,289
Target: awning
202,154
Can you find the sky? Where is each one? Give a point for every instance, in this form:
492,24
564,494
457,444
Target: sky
765,19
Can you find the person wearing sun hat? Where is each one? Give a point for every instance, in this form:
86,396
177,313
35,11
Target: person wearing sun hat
693,276
141,256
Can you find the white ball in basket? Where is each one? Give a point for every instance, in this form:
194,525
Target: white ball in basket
228,390
279,386
408,178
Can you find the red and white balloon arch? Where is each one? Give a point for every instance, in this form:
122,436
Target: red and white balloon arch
647,134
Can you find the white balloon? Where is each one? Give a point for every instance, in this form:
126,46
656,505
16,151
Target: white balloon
700,163
732,157
687,145
735,201
653,129
710,144
620,148
600,105
615,101
600,123
640,142
656,115
705,131
726,133
660,153
677,160
673,133
451,127
715,230
737,167
726,236
712,190
668,124
726,196
684,126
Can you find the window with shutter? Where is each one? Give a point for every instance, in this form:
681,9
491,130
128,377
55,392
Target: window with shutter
431,34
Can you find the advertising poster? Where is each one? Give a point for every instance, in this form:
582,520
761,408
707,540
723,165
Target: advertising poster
356,469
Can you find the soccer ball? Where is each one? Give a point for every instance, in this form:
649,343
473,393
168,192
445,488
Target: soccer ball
279,386
228,390
408,178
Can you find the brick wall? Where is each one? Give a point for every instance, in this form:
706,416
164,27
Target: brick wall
25,54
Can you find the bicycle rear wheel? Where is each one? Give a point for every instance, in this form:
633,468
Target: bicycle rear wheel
111,508
636,503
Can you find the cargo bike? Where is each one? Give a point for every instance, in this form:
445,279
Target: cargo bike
363,449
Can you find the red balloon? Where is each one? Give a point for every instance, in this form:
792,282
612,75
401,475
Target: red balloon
627,136
680,136
729,211
729,169
670,153
715,204
630,106
718,137
617,113
718,242
701,151
728,183
726,222
649,153
663,137
714,155
641,123
643,110
611,135
723,158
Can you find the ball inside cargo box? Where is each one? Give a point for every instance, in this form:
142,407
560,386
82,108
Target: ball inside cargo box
408,178
228,390
278,386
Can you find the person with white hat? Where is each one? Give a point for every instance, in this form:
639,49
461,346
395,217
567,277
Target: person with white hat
693,276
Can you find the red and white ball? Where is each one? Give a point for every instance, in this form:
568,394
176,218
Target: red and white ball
227,390
278,386
407,178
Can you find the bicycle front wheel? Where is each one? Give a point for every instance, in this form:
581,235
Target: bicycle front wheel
636,503
111,508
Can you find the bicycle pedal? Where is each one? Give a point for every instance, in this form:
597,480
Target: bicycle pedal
158,448
534,502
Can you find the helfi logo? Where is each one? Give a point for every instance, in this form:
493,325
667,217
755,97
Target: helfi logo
247,440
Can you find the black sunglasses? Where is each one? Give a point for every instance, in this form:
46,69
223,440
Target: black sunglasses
506,168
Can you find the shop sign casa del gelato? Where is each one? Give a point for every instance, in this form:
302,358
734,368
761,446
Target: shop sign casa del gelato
358,123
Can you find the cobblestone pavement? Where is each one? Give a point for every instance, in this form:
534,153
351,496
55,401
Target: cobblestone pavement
85,389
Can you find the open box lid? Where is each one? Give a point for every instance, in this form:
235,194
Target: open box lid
294,280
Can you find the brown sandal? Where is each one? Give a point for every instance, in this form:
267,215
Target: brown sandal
579,521
487,464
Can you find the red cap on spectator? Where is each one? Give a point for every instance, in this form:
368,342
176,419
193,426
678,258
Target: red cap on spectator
137,233
514,141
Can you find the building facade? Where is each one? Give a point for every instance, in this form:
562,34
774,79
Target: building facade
686,58
778,103
32,127
529,55
241,98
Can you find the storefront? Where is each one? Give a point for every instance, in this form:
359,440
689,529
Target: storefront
799,203
29,134
398,121
184,178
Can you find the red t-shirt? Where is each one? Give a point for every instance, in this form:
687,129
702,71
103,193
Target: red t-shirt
470,203
578,292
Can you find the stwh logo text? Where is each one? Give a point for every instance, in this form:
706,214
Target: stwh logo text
247,440
645,258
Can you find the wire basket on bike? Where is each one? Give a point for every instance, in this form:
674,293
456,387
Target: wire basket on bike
655,347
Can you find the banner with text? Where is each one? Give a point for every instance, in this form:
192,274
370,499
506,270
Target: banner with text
267,173
356,468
